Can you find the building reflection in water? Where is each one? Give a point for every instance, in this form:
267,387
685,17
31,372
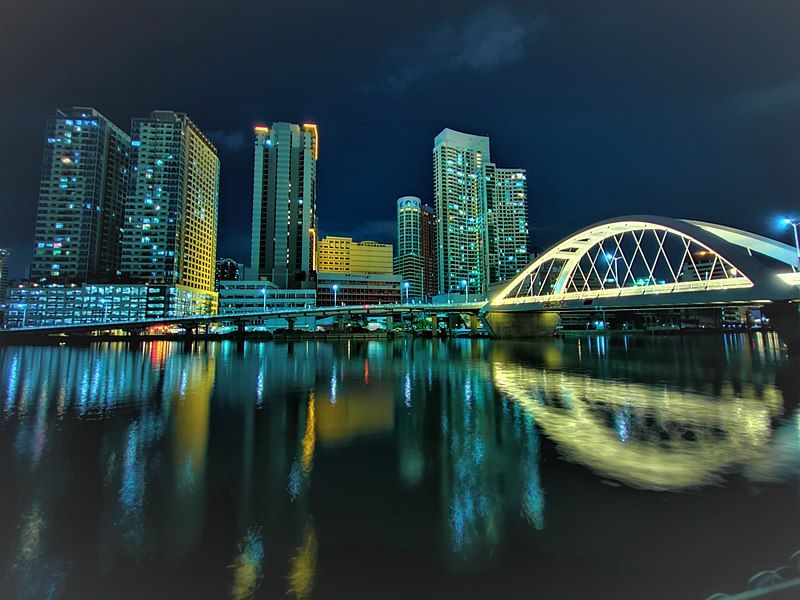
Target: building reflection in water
464,424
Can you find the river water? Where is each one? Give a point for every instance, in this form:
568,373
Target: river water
593,467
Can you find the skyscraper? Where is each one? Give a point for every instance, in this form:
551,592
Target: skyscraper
170,228
283,239
81,197
507,220
416,247
460,197
5,257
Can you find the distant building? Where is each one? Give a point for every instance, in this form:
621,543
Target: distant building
416,247
351,288
343,255
507,221
5,259
257,296
70,304
228,270
284,225
82,195
170,228
461,207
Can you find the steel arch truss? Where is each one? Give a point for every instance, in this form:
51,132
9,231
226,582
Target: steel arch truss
623,258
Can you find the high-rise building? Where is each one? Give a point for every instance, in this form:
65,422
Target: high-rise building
81,198
461,207
284,223
5,258
170,228
416,247
342,255
227,270
507,221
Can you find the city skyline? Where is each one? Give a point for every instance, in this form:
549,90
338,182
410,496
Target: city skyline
701,118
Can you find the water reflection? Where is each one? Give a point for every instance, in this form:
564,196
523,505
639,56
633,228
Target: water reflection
255,464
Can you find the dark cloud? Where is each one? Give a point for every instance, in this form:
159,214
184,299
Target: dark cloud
229,141
487,39
776,97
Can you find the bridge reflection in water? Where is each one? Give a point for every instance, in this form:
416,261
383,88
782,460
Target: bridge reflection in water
255,466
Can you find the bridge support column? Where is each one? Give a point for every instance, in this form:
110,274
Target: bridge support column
389,323
338,323
784,318
473,323
290,321
521,324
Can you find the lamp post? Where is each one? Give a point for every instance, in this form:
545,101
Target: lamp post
613,260
465,283
104,302
405,285
24,313
335,287
794,223
264,293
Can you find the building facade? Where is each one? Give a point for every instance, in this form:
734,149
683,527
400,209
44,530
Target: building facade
227,270
170,227
82,195
247,296
416,247
284,225
461,211
351,288
507,221
342,255
5,258
70,304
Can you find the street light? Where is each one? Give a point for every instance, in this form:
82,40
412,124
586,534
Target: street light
465,283
264,293
104,302
335,287
794,223
405,285
613,260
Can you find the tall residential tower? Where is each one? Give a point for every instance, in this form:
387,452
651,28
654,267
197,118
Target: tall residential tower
507,220
460,195
81,198
170,229
416,247
284,226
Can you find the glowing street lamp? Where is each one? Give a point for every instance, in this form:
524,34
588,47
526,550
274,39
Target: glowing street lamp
264,293
465,283
104,302
406,284
335,287
794,223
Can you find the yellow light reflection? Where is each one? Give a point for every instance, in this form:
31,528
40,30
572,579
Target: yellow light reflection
303,566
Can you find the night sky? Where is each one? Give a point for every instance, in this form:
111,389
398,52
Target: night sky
685,109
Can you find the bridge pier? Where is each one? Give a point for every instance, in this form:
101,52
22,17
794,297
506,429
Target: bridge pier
784,318
521,324
290,322
473,323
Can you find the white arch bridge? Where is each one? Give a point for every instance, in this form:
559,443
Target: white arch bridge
650,262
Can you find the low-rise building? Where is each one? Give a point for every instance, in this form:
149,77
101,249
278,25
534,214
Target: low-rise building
353,288
251,296
342,255
30,305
